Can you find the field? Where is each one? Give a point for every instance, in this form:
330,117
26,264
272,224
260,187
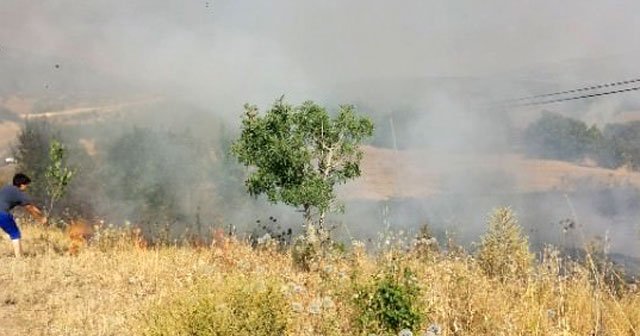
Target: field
419,173
115,285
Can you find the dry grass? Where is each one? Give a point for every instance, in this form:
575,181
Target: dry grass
116,286
422,173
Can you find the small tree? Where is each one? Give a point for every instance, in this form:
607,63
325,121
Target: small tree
58,175
299,154
32,153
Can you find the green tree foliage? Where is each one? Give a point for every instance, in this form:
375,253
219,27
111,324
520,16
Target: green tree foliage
298,154
58,174
621,145
389,303
504,251
32,153
557,137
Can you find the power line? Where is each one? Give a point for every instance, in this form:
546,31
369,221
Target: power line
577,97
587,88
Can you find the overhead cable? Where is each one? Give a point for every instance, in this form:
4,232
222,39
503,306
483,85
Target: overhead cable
587,88
592,95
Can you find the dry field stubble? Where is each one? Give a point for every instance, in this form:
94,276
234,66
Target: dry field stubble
421,173
115,286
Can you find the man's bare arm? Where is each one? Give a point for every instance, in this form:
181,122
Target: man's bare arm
36,213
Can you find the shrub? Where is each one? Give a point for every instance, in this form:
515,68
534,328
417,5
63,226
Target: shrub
604,271
425,245
236,305
388,303
504,252
32,153
557,137
621,145
309,248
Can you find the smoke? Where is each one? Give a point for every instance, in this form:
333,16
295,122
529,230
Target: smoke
230,51
425,68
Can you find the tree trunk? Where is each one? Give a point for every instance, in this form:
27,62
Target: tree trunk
321,220
326,164
307,216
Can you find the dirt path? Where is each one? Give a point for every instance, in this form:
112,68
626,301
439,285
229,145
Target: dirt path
92,109
9,130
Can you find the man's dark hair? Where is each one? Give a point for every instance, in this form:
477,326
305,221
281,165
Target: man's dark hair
20,179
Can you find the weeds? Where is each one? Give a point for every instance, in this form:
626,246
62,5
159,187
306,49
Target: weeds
388,303
271,233
234,305
504,252
111,286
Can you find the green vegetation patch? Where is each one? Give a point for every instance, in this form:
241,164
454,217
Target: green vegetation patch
388,303
235,305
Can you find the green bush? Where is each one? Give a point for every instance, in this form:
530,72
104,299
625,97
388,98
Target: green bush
388,303
554,136
557,137
621,145
32,153
504,251
232,306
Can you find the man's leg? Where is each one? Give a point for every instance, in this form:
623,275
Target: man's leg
8,224
17,247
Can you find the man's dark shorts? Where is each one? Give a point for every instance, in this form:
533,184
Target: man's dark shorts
8,224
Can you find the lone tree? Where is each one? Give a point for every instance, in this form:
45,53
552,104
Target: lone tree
58,174
298,154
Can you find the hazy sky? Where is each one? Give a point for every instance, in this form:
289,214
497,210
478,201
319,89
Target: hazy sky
218,47
220,54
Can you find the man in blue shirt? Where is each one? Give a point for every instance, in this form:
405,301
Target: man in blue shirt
10,197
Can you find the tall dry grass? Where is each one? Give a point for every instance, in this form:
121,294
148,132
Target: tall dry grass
115,285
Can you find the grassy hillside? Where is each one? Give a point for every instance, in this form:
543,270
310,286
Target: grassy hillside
115,285
421,173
